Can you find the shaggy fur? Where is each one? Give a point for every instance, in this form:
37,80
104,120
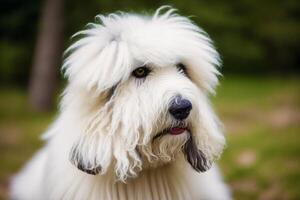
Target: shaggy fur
112,137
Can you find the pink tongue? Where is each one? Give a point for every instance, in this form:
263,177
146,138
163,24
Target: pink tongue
176,130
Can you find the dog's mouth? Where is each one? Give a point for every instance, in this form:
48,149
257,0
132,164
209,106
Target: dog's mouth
175,130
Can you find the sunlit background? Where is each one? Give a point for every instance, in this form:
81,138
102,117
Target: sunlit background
258,98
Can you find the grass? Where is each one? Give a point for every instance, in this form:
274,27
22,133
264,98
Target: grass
261,118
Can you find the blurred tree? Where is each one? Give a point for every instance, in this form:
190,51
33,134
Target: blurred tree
48,56
18,22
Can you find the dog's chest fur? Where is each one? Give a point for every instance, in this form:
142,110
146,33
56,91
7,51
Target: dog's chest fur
164,183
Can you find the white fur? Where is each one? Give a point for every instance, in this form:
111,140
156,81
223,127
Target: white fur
116,132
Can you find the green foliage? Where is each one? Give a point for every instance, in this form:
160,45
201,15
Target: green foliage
252,36
18,26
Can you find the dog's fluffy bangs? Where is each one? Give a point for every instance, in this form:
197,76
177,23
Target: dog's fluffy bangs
109,50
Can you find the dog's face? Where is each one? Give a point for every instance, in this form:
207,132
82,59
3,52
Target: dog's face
140,85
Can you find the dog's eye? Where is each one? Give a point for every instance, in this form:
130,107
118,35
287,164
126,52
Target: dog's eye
141,72
181,68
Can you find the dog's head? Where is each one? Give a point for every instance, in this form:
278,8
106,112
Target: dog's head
139,86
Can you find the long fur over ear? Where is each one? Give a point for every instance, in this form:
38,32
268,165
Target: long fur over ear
207,135
102,146
195,156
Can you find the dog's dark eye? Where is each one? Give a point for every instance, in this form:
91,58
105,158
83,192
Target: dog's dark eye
141,72
181,68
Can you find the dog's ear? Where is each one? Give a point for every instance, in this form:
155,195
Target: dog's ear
195,156
207,141
94,155
106,142
91,154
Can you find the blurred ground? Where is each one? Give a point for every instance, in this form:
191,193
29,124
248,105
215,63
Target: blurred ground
261,117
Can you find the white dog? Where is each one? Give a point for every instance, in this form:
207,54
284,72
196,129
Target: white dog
135,121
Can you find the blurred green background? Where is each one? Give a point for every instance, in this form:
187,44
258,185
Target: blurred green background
258,98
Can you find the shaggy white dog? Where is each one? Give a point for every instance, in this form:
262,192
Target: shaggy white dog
135,121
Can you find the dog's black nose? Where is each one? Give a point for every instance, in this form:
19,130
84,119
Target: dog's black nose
180,108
